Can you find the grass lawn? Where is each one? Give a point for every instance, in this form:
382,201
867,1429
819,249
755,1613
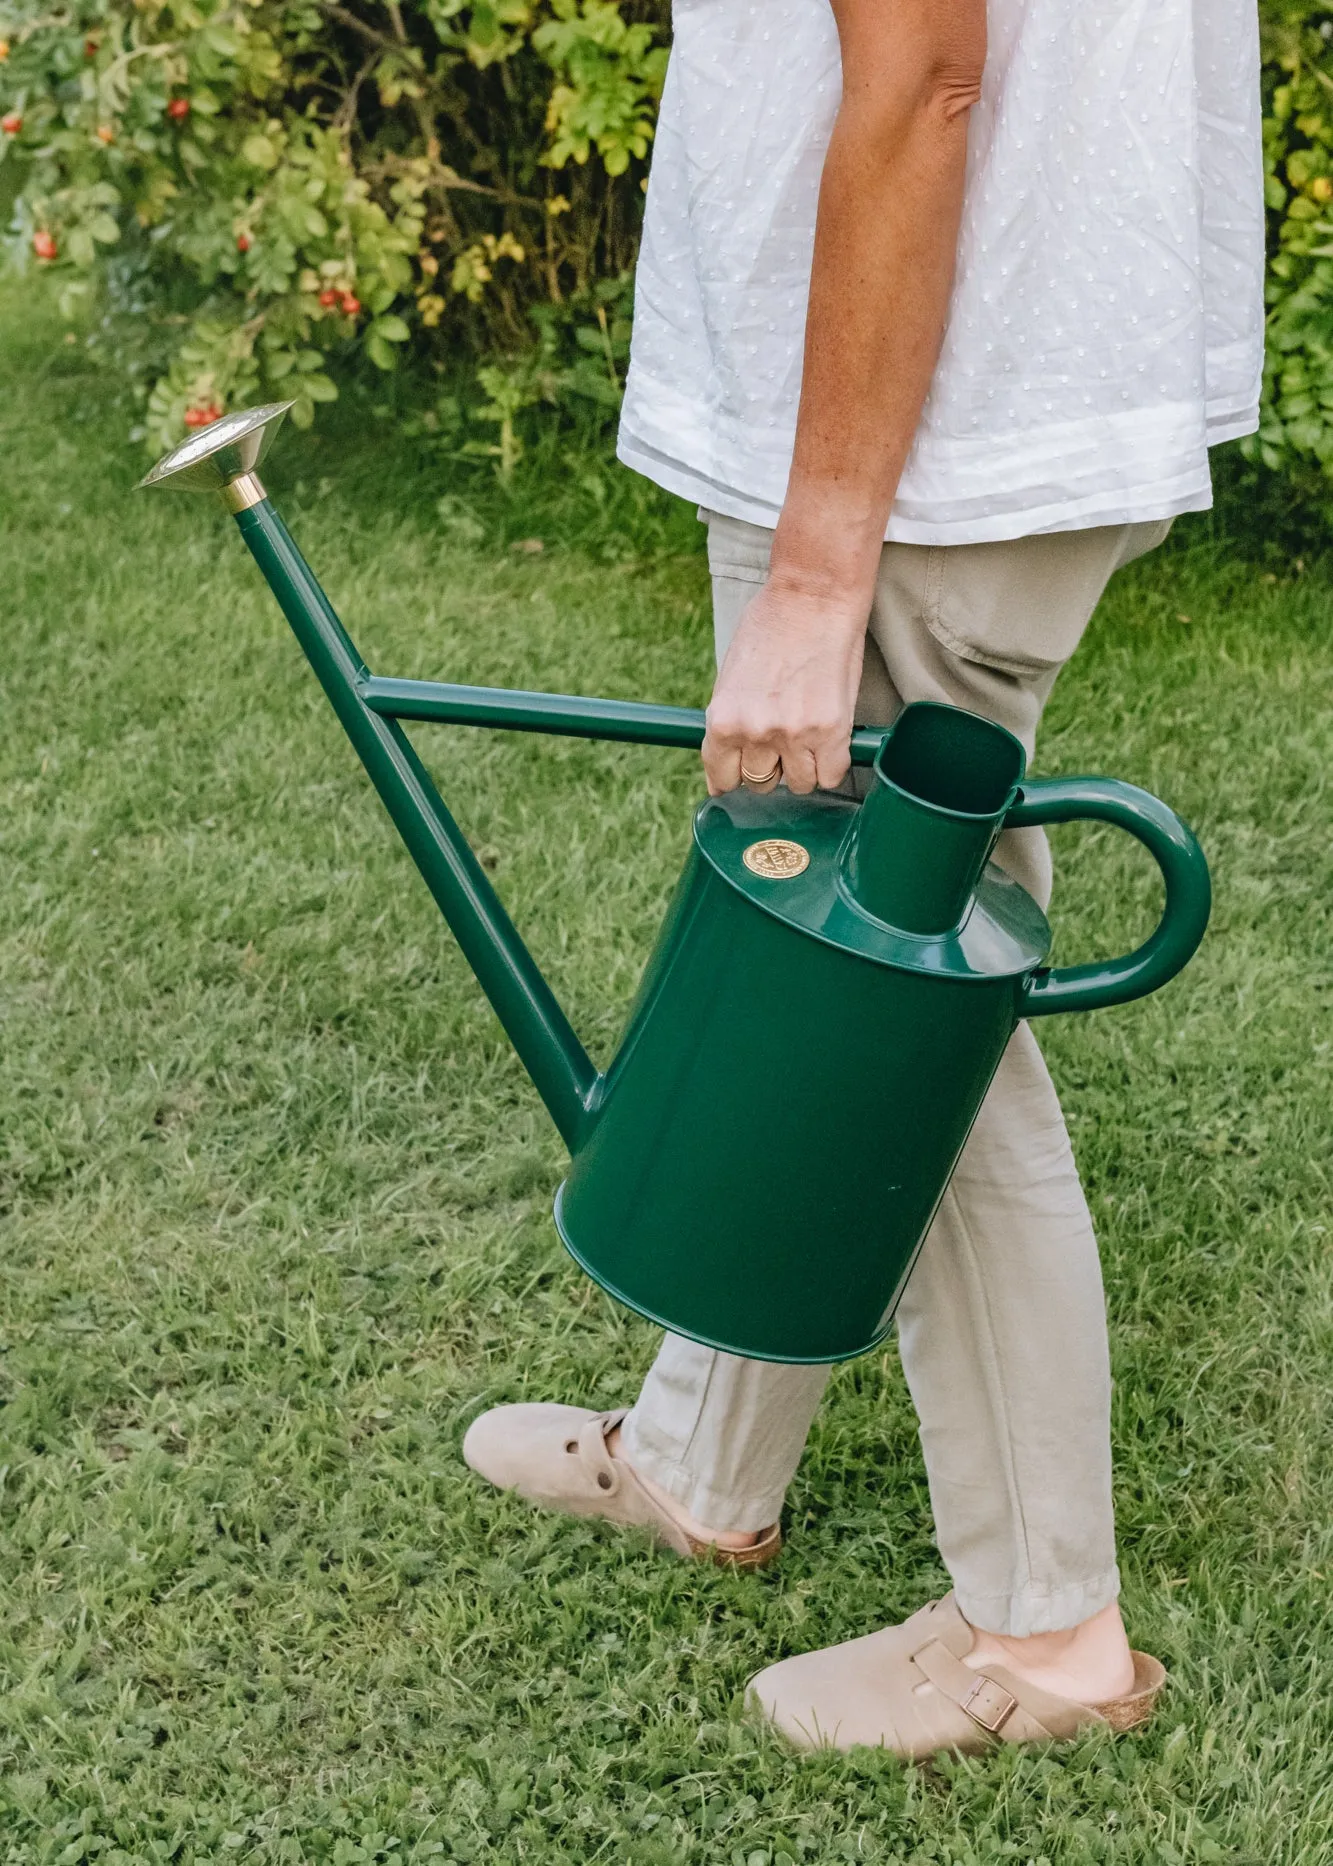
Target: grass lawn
275,1213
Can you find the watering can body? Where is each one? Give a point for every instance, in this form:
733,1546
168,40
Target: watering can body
826,1005
794,1086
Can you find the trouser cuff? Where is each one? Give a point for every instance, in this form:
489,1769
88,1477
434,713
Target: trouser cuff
716,1509
1037,1610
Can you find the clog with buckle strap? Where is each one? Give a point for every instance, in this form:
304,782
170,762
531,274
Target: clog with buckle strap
908,1689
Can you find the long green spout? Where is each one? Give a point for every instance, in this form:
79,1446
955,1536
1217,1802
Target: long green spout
506,970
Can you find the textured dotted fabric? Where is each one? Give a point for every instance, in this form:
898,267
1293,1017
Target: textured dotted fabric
1106,325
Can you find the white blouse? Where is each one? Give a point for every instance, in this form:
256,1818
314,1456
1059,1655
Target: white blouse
1106,325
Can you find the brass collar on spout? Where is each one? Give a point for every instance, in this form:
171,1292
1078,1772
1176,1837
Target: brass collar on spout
239,494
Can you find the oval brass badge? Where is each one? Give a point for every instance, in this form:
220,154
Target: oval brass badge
777,859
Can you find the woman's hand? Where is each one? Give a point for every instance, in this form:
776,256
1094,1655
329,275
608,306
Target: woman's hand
787,690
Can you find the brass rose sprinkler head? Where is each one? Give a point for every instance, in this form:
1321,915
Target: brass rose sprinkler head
222,458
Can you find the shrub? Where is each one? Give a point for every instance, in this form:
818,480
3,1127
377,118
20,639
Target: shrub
1296,429
255,192
259,190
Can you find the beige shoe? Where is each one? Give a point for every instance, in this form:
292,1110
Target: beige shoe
556,1456
907,1689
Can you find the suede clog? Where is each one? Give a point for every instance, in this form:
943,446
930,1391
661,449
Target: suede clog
556,1457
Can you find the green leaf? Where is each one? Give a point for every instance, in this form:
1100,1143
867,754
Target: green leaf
392,329
382,354
259,152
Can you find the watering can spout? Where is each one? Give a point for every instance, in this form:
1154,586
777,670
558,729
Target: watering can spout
525,1004
223,458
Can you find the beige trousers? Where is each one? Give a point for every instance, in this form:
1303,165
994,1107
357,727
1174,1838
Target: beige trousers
1002,1327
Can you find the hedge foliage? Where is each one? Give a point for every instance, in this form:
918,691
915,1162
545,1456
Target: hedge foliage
1296,427
249,193
267,187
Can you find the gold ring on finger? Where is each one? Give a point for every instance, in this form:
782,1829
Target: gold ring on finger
761,780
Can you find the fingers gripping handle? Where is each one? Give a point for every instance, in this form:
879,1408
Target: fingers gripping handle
1184,870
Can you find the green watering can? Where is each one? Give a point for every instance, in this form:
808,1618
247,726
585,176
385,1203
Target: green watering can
869,951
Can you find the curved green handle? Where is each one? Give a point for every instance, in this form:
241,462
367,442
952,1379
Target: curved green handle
1189,893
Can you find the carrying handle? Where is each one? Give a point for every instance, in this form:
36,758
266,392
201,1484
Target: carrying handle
1184,870
566,715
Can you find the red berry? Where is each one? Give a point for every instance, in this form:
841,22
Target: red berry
105,133
11,124
178,109
90,48
328,297
351,303
242,242
202,414
44,244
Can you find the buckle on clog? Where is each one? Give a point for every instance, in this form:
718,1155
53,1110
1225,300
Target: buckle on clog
989,1704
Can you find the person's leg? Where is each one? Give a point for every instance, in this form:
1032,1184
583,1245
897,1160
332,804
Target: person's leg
1003,1340
719,1436
1002,1327
713,1440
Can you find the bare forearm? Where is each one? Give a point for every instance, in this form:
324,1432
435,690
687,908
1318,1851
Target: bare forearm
885,244
885,240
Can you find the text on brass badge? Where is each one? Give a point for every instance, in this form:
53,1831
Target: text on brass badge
777,859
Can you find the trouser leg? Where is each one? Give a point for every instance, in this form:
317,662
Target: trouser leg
1002,1327
1002,1334
721,1434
